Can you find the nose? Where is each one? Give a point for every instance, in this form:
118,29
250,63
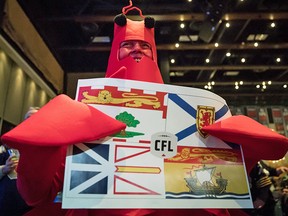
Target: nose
137,46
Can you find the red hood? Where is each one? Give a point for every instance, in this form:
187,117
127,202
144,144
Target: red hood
145,70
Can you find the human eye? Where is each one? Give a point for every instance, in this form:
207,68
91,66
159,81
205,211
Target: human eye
146,46
125,44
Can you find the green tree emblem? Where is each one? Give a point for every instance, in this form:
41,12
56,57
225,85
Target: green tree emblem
130,121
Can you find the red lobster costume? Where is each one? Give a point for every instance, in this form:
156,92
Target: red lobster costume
43,138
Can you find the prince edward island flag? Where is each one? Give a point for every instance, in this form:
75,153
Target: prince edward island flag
162,159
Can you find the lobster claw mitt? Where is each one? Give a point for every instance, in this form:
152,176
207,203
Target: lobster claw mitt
60,122
258,141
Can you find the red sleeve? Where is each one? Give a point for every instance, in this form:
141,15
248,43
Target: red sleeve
42,140
40,173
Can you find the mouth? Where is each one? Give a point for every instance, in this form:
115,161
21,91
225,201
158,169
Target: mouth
137,59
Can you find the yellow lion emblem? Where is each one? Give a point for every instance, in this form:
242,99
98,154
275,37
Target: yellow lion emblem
130,99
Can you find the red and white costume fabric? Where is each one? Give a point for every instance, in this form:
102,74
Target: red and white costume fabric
127,68
43,138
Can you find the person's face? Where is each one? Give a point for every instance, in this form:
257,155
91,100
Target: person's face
136,49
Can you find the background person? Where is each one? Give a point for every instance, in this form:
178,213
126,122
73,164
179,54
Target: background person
11,202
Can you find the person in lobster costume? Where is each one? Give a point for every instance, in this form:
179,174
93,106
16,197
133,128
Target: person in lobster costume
43,138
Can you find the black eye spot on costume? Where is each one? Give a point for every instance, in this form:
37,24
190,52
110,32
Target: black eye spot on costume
149,22
120,20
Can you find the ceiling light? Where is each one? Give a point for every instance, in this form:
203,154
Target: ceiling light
216,44
208,87
261,37
179,74
100,39
189,0
177,45
269,82
188,38
256,44
257,37
258,86
207,60
182,25
172,61
285,86
227,25
231,73
272,24
176,74
228,54
237,84
251,37
243,60
278,59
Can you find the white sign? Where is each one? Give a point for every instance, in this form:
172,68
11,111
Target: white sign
162,159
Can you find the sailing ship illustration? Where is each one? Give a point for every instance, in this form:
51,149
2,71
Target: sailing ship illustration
204,182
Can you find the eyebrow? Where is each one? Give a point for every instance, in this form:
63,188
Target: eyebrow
132,42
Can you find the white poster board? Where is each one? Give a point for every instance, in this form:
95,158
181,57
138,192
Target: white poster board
162,159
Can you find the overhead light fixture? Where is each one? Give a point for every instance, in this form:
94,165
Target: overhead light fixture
188,38
209,85
231,73
257,37
261,37
237,84
176,74
100,39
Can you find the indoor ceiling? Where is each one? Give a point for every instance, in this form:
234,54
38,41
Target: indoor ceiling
222,42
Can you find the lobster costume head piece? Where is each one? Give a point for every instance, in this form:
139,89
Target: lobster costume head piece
126,30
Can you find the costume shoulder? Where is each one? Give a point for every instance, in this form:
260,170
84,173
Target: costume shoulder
62,121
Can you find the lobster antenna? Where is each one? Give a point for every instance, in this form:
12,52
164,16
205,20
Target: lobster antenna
130,7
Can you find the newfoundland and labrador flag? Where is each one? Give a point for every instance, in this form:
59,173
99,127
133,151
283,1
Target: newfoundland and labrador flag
162,159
